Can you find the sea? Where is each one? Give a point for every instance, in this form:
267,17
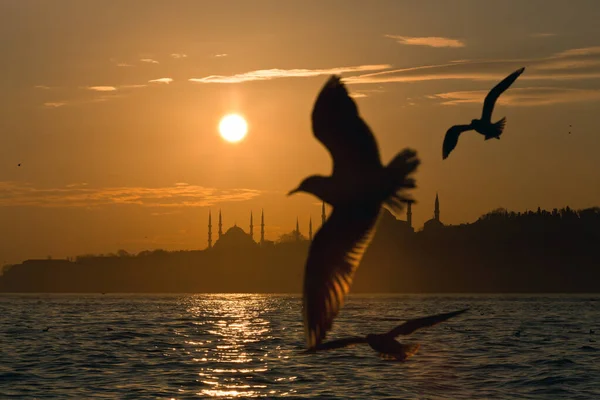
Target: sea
228,346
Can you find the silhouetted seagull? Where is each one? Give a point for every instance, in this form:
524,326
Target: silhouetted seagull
484,125
357,189
386,344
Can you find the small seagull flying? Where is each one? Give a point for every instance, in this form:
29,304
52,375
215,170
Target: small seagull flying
484,125
357,189
386,344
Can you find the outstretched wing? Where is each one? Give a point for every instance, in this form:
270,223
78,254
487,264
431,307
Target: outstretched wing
337,124
334,256
451,138
341,343
492,96
412,325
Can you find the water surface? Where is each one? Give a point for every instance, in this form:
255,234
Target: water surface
244,346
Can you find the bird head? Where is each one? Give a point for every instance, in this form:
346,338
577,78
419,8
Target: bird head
316,185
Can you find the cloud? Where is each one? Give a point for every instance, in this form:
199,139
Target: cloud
572,64
269,74
55,104
149,60
102,88
161,80
42,87
430,41
121,64
178,55
542,35
529,96
176,196
221,55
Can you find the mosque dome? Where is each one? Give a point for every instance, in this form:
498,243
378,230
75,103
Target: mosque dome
235,237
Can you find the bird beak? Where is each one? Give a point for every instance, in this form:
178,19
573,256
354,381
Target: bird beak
291,192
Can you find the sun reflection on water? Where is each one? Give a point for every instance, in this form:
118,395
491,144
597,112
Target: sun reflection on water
233,349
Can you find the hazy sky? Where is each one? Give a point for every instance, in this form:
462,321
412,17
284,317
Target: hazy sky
112,108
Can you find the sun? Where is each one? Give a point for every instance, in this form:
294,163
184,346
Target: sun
233,128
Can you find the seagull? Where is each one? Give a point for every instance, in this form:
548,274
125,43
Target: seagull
484,125
357,189
386,344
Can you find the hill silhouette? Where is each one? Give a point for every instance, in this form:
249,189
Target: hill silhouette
534,251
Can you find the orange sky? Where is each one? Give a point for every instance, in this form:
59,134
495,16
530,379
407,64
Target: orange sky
112,109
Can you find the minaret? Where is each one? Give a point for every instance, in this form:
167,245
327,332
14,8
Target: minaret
323,214
297,230
220,225
310,229
436,212
209,230
262,226
251,227
409,214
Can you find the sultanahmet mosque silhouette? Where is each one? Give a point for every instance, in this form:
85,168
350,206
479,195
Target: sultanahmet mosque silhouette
236,237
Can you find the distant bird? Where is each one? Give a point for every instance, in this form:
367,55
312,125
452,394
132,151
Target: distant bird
518,333
484,125
46,329
19,164
357,189
386,344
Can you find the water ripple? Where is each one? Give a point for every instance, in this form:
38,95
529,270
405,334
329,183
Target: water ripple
246,346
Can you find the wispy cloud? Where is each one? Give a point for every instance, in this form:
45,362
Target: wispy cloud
42,87
220,55
542,35
178,55
269,74
102,88
580,63
430,41
176,196
529,96
148,60
55,104
122,64
161,80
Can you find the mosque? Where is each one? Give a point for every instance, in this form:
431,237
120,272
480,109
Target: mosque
236,237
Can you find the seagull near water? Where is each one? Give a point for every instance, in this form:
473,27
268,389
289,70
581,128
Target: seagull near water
386,344
357,189
484,125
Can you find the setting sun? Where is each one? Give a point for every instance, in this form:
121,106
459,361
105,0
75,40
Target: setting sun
233,128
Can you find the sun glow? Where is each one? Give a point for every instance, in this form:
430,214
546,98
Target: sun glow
233,128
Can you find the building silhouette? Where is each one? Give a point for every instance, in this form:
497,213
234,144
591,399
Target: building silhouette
435,223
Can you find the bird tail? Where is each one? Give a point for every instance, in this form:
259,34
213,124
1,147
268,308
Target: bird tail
398,173
497,129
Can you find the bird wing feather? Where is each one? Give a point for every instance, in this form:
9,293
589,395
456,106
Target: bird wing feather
451,138
341,343
337,124
492,96
412,325
333,258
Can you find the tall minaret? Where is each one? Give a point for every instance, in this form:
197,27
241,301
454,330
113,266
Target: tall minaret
323,214
251,227
220,225
310,229
297,230
436,212
209,230
262,226
409,213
